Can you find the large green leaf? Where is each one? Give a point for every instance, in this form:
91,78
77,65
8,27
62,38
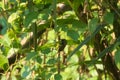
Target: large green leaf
30,18
74,22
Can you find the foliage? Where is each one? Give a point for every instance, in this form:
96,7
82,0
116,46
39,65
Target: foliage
59,40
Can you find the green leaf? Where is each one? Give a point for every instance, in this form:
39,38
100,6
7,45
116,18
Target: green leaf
1,4
53,70
73,34
3,62
45,50
37,1
30,18
3,22
108,18
48,76
74,22
117,58
13,77
38,59
3,77
30,55
52,61
23,1
76,4
5,40
44,15
51,35
12,1
92,24
72,14
78,24
25,71
57,77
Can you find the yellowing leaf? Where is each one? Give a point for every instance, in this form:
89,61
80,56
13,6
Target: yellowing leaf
3,62
13,17
5,40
